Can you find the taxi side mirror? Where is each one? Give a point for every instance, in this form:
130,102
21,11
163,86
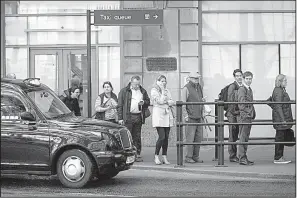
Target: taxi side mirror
27,116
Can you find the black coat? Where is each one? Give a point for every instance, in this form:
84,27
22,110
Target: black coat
124,103
281,112
72,104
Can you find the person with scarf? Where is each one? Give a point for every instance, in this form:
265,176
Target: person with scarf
106,104
162,116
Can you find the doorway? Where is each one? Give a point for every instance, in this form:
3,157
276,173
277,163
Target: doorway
61,69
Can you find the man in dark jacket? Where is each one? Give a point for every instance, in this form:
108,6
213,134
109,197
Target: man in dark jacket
247,113
192,92
232,113
132,102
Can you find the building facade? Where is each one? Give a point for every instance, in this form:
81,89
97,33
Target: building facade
47,39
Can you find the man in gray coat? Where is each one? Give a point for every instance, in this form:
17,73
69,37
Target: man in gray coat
192,92
247,113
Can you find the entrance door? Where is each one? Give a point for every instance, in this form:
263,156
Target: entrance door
61,69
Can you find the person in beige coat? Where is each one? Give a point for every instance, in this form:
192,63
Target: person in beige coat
162,116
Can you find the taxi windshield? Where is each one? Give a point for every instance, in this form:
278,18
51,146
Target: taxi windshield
48,103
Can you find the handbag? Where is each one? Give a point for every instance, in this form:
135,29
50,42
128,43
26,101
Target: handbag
289,137
147,113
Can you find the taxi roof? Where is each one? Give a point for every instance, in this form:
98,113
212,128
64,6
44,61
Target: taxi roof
20,82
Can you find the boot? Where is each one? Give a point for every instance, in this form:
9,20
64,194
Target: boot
165,161
157,161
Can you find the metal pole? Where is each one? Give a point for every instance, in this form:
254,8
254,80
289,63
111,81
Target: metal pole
179,134
221,133
216,131
89,48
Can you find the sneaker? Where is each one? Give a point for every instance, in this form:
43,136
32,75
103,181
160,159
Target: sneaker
234,159
197,160
282,161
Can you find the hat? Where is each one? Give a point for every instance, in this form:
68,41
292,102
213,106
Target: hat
194,75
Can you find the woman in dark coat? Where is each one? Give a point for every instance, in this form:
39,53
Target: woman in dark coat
281,113
71,101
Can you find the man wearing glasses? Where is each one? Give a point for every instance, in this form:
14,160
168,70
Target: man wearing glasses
192,92
133,100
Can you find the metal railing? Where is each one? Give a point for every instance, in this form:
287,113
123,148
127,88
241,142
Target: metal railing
219,128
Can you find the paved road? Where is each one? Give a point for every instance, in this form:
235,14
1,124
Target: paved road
154,183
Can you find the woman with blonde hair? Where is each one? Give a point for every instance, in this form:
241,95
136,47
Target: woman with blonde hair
281,113
162,116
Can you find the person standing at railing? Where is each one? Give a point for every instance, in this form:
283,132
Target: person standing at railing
232,113
162,116
247,113
192,92
281,113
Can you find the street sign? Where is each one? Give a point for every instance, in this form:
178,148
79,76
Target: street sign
161,64
128,17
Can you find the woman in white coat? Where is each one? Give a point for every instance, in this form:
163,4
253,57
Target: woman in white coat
162,116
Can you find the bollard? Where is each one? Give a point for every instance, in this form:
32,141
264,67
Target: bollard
216,131
179,133
221,134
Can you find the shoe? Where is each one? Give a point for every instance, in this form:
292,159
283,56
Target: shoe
157,161
189,160
246,162
165,161
234,159
282,161
197,160
138,159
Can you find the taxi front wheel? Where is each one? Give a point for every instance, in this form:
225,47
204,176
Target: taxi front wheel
74,168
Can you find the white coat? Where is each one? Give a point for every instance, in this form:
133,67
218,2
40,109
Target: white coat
162,113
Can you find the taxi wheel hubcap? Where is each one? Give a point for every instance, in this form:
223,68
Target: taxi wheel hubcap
73,169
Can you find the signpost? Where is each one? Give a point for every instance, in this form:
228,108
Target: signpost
117,18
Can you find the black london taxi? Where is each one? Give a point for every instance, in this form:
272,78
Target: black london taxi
41,136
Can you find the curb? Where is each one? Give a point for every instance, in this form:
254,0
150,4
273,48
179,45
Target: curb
216,172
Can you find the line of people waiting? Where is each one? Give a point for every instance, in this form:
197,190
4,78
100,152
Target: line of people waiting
131,107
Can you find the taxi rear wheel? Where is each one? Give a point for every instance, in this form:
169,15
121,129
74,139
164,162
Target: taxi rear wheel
74,168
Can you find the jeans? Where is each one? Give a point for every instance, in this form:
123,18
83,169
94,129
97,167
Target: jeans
162,140
279,148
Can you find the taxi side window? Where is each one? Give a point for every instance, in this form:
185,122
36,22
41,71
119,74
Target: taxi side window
11,106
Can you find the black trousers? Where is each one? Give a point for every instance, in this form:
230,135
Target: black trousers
279,148
233,136
162,141
134,124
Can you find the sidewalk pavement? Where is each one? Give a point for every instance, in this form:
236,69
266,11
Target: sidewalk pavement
262,155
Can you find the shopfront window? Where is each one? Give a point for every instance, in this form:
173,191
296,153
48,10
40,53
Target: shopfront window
249,27
15,33
16,62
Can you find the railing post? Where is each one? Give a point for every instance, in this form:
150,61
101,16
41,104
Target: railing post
216,131
221,133
179,133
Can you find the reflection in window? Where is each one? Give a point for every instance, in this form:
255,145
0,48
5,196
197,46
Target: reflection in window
249,27
263,62
15,30
288,68
12,106
109,67
16,62
248,5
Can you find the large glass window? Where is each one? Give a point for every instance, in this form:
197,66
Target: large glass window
109,67
33,7
16,62
15,33
249,27
219,62
263,62
248,5
289,69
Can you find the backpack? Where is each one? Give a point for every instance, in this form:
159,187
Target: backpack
223,95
